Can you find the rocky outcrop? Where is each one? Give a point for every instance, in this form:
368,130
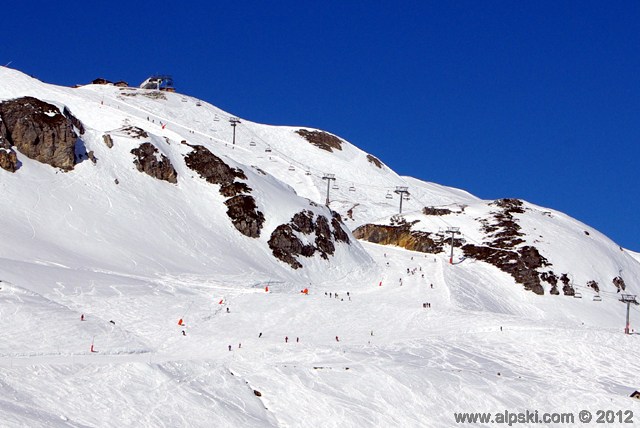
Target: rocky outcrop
108,141
436,211
40,131
321,139
153,163
242,207
8,160
286,241
401,235
244,214
374,160
74,120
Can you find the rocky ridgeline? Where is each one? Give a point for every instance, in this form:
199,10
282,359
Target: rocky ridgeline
153,163
39,131
242,208
319,234
503,247
322,140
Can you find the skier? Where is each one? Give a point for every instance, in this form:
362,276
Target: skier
337,339
500,328
82,317
371,332
297,340
286,339
229,347
227,310
260,335
239,345
183,333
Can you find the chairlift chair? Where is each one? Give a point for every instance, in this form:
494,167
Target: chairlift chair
577,295
198,103
307,172
292,168
216,118
252,143
597,298
267,150
184,100
352,188
389,195
335,187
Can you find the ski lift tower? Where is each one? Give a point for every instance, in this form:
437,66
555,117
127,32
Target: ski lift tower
328,177
234,121
402,191
452,231
628,299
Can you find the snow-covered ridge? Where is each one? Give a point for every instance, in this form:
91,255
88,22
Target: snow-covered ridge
132,300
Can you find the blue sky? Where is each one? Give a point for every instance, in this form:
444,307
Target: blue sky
537,100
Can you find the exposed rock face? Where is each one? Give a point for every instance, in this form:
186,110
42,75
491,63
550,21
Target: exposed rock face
242,208
374,160
212,168
107,140
74,120
594,285
39,131
8,160
245,215
436,211
150,161
286,243
320,139
401,235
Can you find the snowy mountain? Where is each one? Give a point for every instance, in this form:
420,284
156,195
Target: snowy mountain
135,210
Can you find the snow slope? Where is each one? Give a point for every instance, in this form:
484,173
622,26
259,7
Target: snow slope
136,257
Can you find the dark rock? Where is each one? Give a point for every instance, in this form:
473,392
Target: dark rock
134,132
257,393
74,120
303,222
244,215
338,232
234,189
107,140
39,131
92,156
212,168
436,211
150,161
321,139
374,160
323,237
8,160
285,245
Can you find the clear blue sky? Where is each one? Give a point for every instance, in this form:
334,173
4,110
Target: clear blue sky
537,100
